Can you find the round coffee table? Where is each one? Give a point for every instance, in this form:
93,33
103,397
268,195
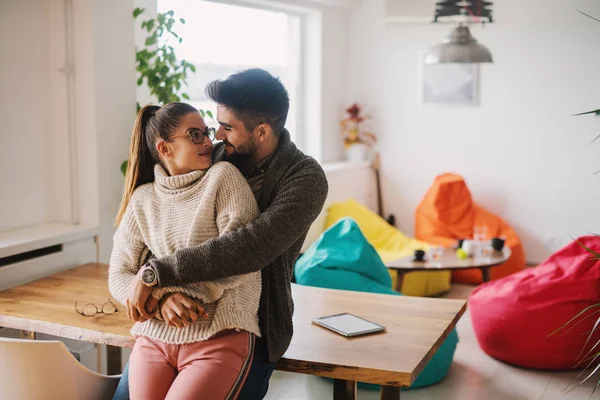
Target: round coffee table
449,261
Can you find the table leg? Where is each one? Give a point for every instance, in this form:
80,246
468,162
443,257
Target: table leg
485,271
390,393
344,390
399,280
113,360
29,335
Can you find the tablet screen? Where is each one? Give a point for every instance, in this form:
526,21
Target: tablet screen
348,324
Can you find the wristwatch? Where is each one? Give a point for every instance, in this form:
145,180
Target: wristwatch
148,275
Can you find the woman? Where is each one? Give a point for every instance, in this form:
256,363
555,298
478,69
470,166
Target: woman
175,198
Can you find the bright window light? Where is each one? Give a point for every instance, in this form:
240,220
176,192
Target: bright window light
221,39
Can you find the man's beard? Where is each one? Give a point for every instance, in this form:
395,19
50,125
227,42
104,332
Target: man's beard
240,158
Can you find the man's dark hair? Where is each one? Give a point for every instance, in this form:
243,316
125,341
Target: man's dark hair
255,97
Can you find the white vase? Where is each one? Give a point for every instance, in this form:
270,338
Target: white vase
358,152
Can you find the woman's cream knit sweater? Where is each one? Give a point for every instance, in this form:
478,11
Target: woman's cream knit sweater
180,211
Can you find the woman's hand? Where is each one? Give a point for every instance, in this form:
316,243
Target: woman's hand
179,310
137,297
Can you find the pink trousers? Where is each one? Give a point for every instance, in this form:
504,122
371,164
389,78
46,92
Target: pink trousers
213,369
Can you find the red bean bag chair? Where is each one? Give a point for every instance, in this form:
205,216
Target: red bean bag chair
514,316
448,213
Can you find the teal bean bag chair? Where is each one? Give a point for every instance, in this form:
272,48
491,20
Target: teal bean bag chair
343,259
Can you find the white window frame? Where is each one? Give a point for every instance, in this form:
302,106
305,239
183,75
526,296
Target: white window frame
309,67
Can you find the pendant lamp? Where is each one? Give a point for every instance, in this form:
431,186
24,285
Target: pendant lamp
458,47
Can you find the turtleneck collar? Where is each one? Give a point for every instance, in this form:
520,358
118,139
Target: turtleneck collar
178,182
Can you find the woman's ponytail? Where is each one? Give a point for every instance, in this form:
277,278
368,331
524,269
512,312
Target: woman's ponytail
140,164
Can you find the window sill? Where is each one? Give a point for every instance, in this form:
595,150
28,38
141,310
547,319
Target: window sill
22,240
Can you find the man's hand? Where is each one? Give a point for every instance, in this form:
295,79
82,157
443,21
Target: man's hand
137,296
179,310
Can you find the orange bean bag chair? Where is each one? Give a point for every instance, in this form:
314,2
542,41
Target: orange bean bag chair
448,213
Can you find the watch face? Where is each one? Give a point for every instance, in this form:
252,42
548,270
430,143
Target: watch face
148,276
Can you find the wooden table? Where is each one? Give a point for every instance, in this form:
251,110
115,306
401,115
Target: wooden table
416,327
450,262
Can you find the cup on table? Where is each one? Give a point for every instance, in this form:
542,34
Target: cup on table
419,255
480,232
435,253
498,243
469,247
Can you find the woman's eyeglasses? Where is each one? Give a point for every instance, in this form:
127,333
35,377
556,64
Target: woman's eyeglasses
90,309
197,136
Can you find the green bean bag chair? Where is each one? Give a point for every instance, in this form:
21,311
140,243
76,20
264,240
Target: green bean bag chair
343,259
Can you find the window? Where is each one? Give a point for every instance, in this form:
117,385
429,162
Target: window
221,39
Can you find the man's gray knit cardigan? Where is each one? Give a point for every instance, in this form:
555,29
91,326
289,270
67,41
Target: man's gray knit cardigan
292,196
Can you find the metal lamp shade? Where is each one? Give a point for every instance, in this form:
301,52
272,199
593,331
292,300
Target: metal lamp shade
458,47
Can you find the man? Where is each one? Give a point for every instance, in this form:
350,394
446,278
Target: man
290,189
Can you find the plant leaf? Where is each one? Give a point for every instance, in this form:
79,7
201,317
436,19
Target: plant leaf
593,372
594,390
124,167
589,250
575,317
589,16
596,138
592,356
588,339
597,112
150,25
182,20
185,96
581,320
202,113
210,114
138,11
581,373
151,40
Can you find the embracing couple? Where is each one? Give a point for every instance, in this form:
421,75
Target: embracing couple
206,241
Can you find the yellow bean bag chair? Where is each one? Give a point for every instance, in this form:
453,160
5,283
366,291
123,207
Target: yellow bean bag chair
391,244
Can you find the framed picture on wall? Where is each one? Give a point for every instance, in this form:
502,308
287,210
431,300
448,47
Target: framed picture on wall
450,84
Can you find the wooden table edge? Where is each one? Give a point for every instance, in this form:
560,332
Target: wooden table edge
341,372
326,370
64,331
401,269
421,366
389,378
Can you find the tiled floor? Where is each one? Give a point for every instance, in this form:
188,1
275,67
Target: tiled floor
473,376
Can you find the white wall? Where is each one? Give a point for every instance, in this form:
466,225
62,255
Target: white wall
105,98
24,113
522,152
36,165
336,52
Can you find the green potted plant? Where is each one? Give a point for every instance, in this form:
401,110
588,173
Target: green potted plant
157,65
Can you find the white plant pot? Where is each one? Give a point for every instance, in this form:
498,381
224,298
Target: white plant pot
358,152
